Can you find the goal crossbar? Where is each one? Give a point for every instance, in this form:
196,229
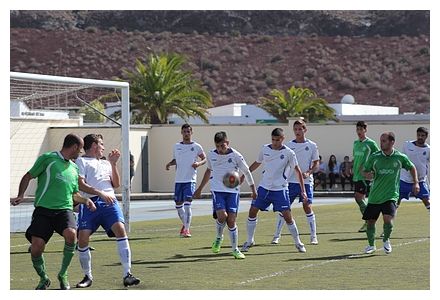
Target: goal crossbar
72,84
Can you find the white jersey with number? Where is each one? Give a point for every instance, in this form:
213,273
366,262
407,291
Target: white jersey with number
96,173
419,157
220,164
306,154
277,166
185,155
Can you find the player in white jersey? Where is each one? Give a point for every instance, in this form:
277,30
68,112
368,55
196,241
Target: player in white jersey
308,160
279,160
222,160
418,152
185,157
97,179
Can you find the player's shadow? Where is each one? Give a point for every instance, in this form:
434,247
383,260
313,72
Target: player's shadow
334,257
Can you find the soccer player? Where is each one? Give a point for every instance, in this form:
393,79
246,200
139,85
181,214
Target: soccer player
97,179
279,160
185,156
384,168
363,147
308,160
57,189
418,152
222,160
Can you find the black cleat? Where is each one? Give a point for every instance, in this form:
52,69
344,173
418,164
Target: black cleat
64,282
130,280
85,283
44,284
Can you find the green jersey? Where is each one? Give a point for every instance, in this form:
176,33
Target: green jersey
386,181
361,151
57,181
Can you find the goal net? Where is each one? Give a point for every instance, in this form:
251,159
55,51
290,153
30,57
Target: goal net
42,107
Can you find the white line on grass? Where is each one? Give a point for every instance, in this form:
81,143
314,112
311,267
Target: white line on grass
313,265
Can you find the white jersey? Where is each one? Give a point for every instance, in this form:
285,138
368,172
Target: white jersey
419,157
185,155
306,154
278,164
96,173
220,164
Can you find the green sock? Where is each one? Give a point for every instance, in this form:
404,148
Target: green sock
362,205
371,234
387,229
68,251
39,266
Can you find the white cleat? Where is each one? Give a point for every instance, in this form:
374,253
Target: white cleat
275,240
369,249
314,240
301,248
246,246
387,247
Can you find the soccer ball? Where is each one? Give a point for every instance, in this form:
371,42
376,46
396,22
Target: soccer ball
231,179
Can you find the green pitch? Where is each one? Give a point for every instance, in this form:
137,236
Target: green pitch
164,261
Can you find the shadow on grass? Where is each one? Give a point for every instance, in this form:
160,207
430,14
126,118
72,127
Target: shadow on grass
335,257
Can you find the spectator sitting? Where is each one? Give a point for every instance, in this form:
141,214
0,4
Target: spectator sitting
321,175
346,172
333,171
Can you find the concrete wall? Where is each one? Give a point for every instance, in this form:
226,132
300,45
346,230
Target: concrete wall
29,139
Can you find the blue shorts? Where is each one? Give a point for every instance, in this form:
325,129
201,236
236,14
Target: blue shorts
105,215
295,191
406,190
183,191
227,201
278,199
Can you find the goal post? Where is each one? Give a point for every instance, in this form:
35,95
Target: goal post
43,86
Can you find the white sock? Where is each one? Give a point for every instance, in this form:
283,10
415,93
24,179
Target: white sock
181,213
312,223
233,235
294,232
219,228
279,225
85,260
188,215
124,254
251,226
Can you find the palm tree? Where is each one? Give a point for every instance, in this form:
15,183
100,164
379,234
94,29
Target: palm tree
299,102
161,87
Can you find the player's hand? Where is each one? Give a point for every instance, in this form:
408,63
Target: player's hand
304,197
113,156
254,195
306,175
416,188
15,201
195,165
108,198
197,194
241,178
369,175
90,205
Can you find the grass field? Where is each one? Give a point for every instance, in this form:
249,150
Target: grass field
164,261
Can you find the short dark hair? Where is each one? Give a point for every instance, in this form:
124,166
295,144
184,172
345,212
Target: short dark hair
423,130
361,124
90,139
220,137
277,132
391,136
300,122
72,139
184,126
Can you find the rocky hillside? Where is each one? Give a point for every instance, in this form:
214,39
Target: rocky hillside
379,57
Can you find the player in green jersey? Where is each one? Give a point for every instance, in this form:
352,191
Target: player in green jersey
383,167
362,149
57,189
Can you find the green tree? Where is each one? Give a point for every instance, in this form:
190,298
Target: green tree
161,87
91,115
298,102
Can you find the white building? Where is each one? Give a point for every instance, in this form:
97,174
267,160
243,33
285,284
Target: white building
235,113
19,109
